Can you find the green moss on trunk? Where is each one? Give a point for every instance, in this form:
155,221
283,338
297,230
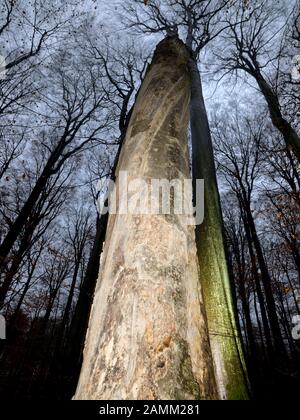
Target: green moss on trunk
230,370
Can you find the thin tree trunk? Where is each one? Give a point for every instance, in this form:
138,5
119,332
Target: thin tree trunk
289,134
241,278
22,217
66,315
25,212
79,324
147,336
267,283
258,288
248,321
262,338
16,262
14,317
225,342
49,308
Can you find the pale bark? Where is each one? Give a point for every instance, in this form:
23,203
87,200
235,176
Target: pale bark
224,336
147,336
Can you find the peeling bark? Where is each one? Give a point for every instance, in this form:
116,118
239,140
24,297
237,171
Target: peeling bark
147,336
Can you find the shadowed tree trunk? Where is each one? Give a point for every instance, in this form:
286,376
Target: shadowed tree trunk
289,134
225,342
20,221
26,210
267,284
79,324
147,336
258,288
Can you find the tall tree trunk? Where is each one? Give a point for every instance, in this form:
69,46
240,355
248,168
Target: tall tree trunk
267,283
147,336
79,324
261,335
258,287
248,320
214,275
66,315
48,311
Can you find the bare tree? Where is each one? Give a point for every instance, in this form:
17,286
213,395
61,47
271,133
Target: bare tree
79,123
255,45
241,163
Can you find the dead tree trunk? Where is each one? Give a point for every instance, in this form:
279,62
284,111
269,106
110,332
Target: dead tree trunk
147,336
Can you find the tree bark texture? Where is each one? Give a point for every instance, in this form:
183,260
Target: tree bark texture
147,335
